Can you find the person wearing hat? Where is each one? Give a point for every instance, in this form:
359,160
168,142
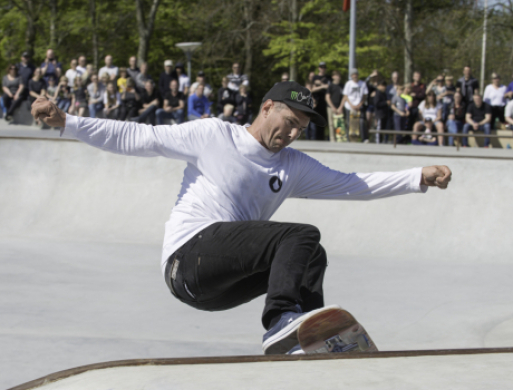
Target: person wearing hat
25,70
355,97
220,248
184,83
320,87
165,77
200,80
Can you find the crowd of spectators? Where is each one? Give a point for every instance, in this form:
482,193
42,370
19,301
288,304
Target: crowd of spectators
125,93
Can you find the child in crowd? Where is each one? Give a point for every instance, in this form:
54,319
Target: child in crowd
78,98
129,101
381,110
400,109
51,89
122,80
111,101
63,94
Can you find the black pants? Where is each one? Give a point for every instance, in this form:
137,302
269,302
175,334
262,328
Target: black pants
11,105
497,112
231,263
148,115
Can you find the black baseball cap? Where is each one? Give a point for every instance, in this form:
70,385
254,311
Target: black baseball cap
25,54
295,96
201,73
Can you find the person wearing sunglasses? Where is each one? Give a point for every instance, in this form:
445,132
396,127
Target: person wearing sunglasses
12,87
494,95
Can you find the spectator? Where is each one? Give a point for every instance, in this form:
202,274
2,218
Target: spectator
285,77
142,78
109,69
73,72
200,79
78,98
334,96
381,109
150,101
86,76
391,92
430,118
418,94
224,96
95,91
243,101
227,114
63,94
456,116
236,78
184,82
509,91
478,118
198,106
311,129
310,81
355,96
508,115
494,96
448,96
406,95
467,85
122,79
400,109
111,101
36,86
132,69
82,64
105,79
320,86
51,90
129,101
51,67
174,104
372,84
12,86
25,71
165,77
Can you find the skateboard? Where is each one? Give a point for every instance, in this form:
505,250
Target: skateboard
340,128
334,330
354,126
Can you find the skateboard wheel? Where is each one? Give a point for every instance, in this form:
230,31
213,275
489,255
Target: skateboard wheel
363,342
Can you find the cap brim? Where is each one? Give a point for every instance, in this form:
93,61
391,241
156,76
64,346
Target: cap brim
315,117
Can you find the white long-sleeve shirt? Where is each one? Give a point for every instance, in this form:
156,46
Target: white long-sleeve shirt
495,96
230,176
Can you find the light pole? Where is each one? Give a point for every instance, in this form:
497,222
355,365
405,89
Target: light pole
188,48
483,49
352,38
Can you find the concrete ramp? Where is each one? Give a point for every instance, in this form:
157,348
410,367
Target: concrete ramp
80,280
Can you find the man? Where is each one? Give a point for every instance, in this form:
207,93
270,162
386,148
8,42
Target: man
334,96
320,86
142,78
72,73
111,70
51,67
25,71
165,77
82,64
285,77
198,106
220,248
132,69
418,94
236,78
200,79
381,106
391,92
467,85
478,118
174,103
150,101
355,96
184,82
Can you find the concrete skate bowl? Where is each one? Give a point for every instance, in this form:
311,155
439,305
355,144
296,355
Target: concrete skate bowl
80,281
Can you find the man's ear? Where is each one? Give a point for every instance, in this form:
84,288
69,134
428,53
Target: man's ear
266,107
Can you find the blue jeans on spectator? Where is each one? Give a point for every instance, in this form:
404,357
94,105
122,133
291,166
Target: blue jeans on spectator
193,117
311,131
64,104
4,109
400,125
94,108
163,115
486,128
148,114
454,127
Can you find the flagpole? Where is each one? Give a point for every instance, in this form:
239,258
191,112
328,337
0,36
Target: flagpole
352,38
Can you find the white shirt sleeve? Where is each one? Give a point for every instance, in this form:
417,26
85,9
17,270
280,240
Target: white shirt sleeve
317,181
183,142
487,96
347,88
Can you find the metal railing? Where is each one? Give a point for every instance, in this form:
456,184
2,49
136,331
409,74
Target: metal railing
457,136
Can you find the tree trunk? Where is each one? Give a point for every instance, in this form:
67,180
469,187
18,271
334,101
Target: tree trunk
53,22
145,28
30,35
248,42
293,21
28,8
94,21
408,42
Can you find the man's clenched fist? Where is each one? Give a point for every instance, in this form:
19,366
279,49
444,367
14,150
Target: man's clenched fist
48,112
437,175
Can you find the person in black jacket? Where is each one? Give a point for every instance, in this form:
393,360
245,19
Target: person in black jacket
224,96
381,109
165,77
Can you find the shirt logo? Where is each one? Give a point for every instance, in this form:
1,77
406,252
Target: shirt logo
275,183
300,98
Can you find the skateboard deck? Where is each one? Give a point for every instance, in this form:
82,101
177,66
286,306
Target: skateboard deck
340,128
354,126
334,330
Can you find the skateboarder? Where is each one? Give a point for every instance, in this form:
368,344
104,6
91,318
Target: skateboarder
220,249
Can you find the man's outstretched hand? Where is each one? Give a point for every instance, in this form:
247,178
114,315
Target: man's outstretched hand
436,176
48,112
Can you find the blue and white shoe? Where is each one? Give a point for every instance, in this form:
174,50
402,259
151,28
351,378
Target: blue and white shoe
296,351
282,337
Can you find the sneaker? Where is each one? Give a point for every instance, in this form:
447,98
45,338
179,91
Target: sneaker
296,351
282,337
8,118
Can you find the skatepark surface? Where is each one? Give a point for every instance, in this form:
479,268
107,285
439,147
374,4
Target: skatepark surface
80,281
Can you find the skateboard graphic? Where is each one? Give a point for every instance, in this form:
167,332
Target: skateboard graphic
354,126
334,330
340,128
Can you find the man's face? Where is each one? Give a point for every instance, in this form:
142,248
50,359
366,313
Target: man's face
466,71
82,61
144,68
478,100
167,69
354,77
132,62
199,90
382,88
178,71
417,76
108,60
73,64
322,70
50,54
235,68
395,77
25,59
336,79
283,125
173,85
200,79
149,87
